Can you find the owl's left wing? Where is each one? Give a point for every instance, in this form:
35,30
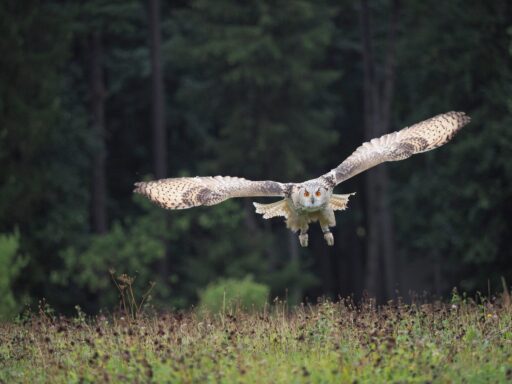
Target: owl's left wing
400,145
188,192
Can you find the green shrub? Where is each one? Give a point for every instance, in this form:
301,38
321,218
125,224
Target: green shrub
11,263
226,295
131,247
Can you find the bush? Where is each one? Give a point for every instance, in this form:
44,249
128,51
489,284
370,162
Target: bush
11,263
230,294
131,247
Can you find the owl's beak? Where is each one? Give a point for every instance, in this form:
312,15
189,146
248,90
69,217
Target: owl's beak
312,200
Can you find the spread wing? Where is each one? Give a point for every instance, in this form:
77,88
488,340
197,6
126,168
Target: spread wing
400,145
188,192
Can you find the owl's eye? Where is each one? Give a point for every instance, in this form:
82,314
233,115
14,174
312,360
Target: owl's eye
317,193
306,193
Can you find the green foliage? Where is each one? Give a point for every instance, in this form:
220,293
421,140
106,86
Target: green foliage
255,72
259,89
227,295
326,343
214,242
132,247
43,144
111,17
253,92
12,263
30,108
464,189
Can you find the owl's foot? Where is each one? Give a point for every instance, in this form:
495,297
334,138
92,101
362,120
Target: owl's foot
329,238
303,238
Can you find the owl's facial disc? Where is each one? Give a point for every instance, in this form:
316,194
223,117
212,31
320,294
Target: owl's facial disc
312,197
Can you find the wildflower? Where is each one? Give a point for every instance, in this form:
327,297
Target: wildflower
124,278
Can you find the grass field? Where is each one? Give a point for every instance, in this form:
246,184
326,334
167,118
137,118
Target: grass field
329,342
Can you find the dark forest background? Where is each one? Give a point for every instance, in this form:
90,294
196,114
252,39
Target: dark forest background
96,95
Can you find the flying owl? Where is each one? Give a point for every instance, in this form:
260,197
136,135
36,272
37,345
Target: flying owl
312,200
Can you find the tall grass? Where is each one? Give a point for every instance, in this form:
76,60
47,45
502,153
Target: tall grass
461,341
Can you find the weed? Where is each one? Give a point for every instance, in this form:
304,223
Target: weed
327,342
129,305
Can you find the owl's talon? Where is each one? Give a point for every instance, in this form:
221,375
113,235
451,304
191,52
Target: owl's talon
329,238
303,238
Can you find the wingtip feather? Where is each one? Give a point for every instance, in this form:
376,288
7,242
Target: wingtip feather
139,187
461,116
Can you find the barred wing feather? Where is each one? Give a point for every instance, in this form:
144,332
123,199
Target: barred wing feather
400,145
187,192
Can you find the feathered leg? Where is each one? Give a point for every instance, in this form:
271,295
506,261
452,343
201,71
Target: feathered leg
327,220
303,237
329,238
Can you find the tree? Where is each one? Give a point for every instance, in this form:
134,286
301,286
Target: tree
97,101
43,145
260,89
254,91
378,86
462,189
158,93
158,105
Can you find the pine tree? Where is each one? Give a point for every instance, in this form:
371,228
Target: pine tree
454,211
255,88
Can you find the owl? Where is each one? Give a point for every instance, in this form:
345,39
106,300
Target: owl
312,200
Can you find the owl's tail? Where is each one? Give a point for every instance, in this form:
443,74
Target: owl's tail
279,208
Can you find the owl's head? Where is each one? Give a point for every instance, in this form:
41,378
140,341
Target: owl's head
311,196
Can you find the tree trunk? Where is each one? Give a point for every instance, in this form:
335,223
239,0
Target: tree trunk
158,93
158,116
97,105
380,278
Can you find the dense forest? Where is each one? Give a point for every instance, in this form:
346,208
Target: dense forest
96,95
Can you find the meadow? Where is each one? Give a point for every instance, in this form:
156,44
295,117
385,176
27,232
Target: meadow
465,340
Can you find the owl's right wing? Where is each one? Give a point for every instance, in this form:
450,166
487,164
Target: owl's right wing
188,192
400,145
